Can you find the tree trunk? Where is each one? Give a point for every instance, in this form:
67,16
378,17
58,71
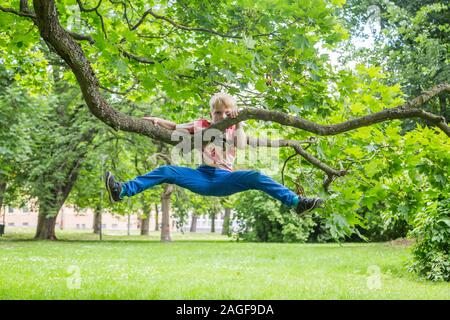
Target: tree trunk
443,105
194,223
2,192
156,217
97,219
226,221
46,220
145,220
2,195
165,225
145,225
50,206
213,222
129,224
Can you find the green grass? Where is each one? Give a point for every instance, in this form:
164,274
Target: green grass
203,266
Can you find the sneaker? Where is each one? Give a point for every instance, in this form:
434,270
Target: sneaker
308,204
114,188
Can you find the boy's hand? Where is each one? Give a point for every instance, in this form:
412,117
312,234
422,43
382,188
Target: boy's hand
154,120
233,113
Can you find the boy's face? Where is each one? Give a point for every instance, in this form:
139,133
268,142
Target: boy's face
220,112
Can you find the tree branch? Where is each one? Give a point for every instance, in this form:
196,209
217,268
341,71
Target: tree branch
27,13
122,93
95,9
407,110
82,37
331,173
179,26
183,27
102,23
82,8
24,6
137,58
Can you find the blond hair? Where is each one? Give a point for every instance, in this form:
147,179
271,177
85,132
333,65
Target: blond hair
222,99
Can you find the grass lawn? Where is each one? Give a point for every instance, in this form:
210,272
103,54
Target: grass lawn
203,266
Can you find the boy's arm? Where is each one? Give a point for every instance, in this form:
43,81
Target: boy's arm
162,122
186,126
171,125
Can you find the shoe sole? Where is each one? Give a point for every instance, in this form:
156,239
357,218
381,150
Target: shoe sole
107,177
317,203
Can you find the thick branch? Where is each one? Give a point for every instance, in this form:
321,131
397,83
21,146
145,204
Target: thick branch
82,37
407,110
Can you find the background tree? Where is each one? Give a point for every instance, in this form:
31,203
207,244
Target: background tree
410,44
58,131
15,124
59,149
228,204
412,47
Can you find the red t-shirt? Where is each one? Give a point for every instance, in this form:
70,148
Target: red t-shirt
213,155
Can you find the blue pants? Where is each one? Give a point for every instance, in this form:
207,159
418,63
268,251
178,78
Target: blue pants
210,181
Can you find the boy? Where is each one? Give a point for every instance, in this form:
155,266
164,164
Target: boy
215,177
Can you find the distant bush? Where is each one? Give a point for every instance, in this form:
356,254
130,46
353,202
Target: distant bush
431,254
262,218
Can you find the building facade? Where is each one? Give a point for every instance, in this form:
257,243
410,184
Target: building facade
69,218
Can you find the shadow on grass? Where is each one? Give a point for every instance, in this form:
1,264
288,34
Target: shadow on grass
69,236
129,241
317,246
186,238
125,241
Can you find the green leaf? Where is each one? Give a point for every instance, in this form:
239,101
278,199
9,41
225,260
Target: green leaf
261,85
445,220
371,168
300,42
357,108
122,67
249,42
354,151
